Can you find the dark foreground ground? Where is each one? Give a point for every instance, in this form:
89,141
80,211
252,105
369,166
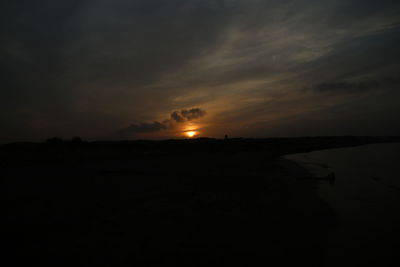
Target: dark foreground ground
168,203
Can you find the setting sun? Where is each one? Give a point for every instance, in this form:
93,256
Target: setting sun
191,134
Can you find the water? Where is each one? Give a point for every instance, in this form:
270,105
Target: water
365,196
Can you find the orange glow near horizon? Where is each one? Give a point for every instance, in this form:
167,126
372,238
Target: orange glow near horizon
191,134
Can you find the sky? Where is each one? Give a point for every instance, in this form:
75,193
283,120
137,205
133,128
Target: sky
154,69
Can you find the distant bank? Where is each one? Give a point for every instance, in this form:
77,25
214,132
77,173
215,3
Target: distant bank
56,148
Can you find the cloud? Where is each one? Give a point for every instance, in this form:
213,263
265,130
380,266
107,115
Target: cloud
358,87
346,87
177,116
191,114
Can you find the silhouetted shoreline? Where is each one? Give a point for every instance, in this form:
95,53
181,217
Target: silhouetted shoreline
77,149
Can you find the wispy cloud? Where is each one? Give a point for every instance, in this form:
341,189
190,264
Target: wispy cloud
88,67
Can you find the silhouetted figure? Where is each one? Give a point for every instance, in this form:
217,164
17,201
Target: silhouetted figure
226,137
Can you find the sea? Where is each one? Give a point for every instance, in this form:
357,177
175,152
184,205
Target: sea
365,195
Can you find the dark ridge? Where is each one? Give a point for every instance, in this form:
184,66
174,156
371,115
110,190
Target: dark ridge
55,149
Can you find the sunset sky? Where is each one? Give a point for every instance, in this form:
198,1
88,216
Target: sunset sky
127,69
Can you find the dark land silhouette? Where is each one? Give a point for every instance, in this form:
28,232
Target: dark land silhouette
199,202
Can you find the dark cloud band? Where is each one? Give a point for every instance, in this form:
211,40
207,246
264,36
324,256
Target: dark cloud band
176,116
191,114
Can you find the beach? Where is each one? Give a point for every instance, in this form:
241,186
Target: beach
236,205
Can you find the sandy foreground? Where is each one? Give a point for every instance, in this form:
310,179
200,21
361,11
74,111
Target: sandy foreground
188,210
